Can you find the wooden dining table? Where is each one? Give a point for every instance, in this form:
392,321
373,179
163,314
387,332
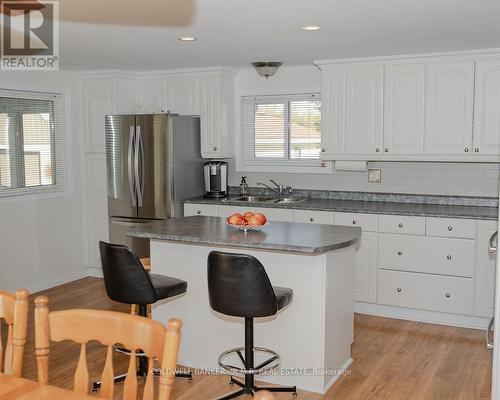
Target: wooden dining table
18,388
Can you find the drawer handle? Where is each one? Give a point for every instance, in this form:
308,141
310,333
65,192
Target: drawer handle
311,219
377,150
400,225
450,228
400,253
198,212
448,257
215,148
354,222
398,290
448,295
323,150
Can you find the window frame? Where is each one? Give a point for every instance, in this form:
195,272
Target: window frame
59,149
245,162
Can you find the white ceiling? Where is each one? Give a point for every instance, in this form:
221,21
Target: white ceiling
142,34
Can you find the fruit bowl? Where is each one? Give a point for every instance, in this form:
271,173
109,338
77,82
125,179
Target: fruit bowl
247,227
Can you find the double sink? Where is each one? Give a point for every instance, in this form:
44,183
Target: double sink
266,199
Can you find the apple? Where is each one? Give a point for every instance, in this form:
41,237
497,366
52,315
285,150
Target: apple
248,214
234,219
257,219
242,221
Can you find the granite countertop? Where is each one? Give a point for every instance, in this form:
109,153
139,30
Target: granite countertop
369,207
286,237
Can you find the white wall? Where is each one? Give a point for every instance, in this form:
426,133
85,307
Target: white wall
459,179
41,240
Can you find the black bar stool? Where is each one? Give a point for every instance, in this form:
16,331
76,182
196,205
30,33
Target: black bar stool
238,286
127,281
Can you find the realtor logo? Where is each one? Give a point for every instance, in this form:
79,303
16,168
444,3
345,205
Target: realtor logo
29,35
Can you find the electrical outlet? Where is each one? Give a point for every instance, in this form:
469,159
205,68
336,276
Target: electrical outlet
374,175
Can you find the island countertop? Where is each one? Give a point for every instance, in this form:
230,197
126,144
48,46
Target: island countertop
290,237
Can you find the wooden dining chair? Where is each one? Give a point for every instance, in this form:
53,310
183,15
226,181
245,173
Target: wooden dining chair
14,311
109,328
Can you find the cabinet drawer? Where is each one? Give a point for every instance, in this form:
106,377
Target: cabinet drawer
426,292
451,227
272,214
443,256
200,209
313,217
367,222
402,224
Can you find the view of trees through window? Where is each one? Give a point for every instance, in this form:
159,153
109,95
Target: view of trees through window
288,130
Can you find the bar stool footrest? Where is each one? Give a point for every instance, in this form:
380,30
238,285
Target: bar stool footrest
270,364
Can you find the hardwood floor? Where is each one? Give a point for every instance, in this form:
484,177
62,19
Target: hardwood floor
393,359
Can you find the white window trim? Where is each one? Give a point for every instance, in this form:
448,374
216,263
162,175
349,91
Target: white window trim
285,166
64,168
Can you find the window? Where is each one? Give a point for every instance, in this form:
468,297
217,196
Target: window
31,142
281,130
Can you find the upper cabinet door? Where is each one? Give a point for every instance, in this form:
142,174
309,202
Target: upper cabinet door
487,108
404,109
363,114
332,113
449,107
151,95
182,94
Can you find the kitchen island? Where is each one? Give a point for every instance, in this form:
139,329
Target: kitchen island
313,335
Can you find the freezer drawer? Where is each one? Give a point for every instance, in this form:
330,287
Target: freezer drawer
118,229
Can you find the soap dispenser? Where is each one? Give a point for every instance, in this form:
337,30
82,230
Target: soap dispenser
243,186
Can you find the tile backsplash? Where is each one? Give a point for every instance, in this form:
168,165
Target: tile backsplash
450,179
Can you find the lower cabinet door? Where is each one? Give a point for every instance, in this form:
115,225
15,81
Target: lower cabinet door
365,285
427,292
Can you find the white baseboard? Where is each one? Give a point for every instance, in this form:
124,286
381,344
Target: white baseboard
339,373
95,272
432,317
60,280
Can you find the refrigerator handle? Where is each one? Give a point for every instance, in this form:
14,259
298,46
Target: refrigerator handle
131,141
139,176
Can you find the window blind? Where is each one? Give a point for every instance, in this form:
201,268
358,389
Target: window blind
281,129
32,144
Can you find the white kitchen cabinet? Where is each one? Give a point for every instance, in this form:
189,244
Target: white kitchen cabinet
402,224
332,116
486,108
200,209
404,108
151,95
217,115
365,283
183,94
313,217
272,214
484,300
449,108
363,110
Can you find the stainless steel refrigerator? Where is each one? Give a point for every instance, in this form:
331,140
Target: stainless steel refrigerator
153,162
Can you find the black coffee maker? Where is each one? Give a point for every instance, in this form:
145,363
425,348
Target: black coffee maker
216,179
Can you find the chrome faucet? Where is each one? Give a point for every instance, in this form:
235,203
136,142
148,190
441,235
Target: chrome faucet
278,192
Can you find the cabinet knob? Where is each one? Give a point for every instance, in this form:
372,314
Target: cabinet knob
386,150
476,150
466,149
400,253
354,222
448,257
398,290
311,219
377,150
198,212
215,148
400,224
323,149
450,228
448,295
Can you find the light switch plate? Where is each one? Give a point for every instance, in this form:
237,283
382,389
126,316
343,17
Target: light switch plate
374,175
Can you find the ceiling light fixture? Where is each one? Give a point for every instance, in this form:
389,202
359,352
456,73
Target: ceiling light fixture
311,28
266,68
187,38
